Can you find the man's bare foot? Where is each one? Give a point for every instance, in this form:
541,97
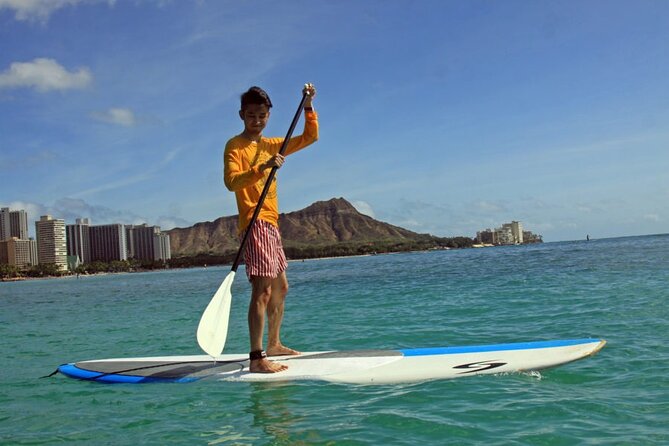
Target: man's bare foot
280,350
265,366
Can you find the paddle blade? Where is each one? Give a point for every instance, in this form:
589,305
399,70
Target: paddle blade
213,328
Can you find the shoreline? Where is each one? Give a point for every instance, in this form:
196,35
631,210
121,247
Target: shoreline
68,276
222,265
105,273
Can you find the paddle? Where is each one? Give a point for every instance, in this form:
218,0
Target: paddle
213,328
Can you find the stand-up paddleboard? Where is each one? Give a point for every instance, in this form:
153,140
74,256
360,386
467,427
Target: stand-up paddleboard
358,367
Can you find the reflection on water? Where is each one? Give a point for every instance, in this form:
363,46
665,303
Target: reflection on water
269,405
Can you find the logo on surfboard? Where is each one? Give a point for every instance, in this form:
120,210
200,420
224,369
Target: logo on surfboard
479,366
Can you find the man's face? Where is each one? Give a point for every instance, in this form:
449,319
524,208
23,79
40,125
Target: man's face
255,118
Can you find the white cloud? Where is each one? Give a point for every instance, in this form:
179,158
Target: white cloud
44,75
69,209
652,217
487,206
34,210
41,10
118,116
34,9
170,222
364,208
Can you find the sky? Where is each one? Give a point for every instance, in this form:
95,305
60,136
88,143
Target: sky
442,117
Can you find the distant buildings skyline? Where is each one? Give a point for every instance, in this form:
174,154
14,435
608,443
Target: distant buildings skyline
68,246
507,234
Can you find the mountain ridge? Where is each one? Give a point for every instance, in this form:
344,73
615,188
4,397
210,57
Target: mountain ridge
335,222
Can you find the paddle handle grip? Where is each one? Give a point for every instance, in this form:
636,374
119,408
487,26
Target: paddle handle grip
268,183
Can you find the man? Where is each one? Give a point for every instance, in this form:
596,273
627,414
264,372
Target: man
249,158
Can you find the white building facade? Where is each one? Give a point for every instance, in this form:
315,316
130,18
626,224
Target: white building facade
51,245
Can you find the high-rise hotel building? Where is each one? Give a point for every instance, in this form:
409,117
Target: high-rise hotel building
79,240
4,224
13,224
15,247
51,244
517,231
162,248
19,253
148,243
108,243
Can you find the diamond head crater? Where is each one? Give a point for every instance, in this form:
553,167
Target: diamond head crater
330,228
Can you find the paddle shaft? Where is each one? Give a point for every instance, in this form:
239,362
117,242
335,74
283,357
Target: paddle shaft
268,183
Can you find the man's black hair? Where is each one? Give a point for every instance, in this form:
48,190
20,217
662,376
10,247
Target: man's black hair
256,95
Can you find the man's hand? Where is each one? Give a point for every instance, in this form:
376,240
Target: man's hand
310,91
275,161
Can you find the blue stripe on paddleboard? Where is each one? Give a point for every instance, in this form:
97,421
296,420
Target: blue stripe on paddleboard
495,347
73,371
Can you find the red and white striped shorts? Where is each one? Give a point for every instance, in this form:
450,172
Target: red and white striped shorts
264,256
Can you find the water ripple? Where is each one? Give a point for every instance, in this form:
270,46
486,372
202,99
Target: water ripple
615,289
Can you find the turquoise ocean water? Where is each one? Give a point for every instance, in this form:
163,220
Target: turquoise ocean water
616,289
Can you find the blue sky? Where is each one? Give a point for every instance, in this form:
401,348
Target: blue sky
444,117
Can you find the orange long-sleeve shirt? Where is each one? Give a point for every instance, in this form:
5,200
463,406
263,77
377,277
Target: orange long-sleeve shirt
242,175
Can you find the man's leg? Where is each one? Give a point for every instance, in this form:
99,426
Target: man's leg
275,308
261,294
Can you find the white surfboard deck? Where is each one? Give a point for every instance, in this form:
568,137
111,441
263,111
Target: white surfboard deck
356,367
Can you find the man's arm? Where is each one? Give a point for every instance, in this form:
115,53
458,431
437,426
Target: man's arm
310,133
234,176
